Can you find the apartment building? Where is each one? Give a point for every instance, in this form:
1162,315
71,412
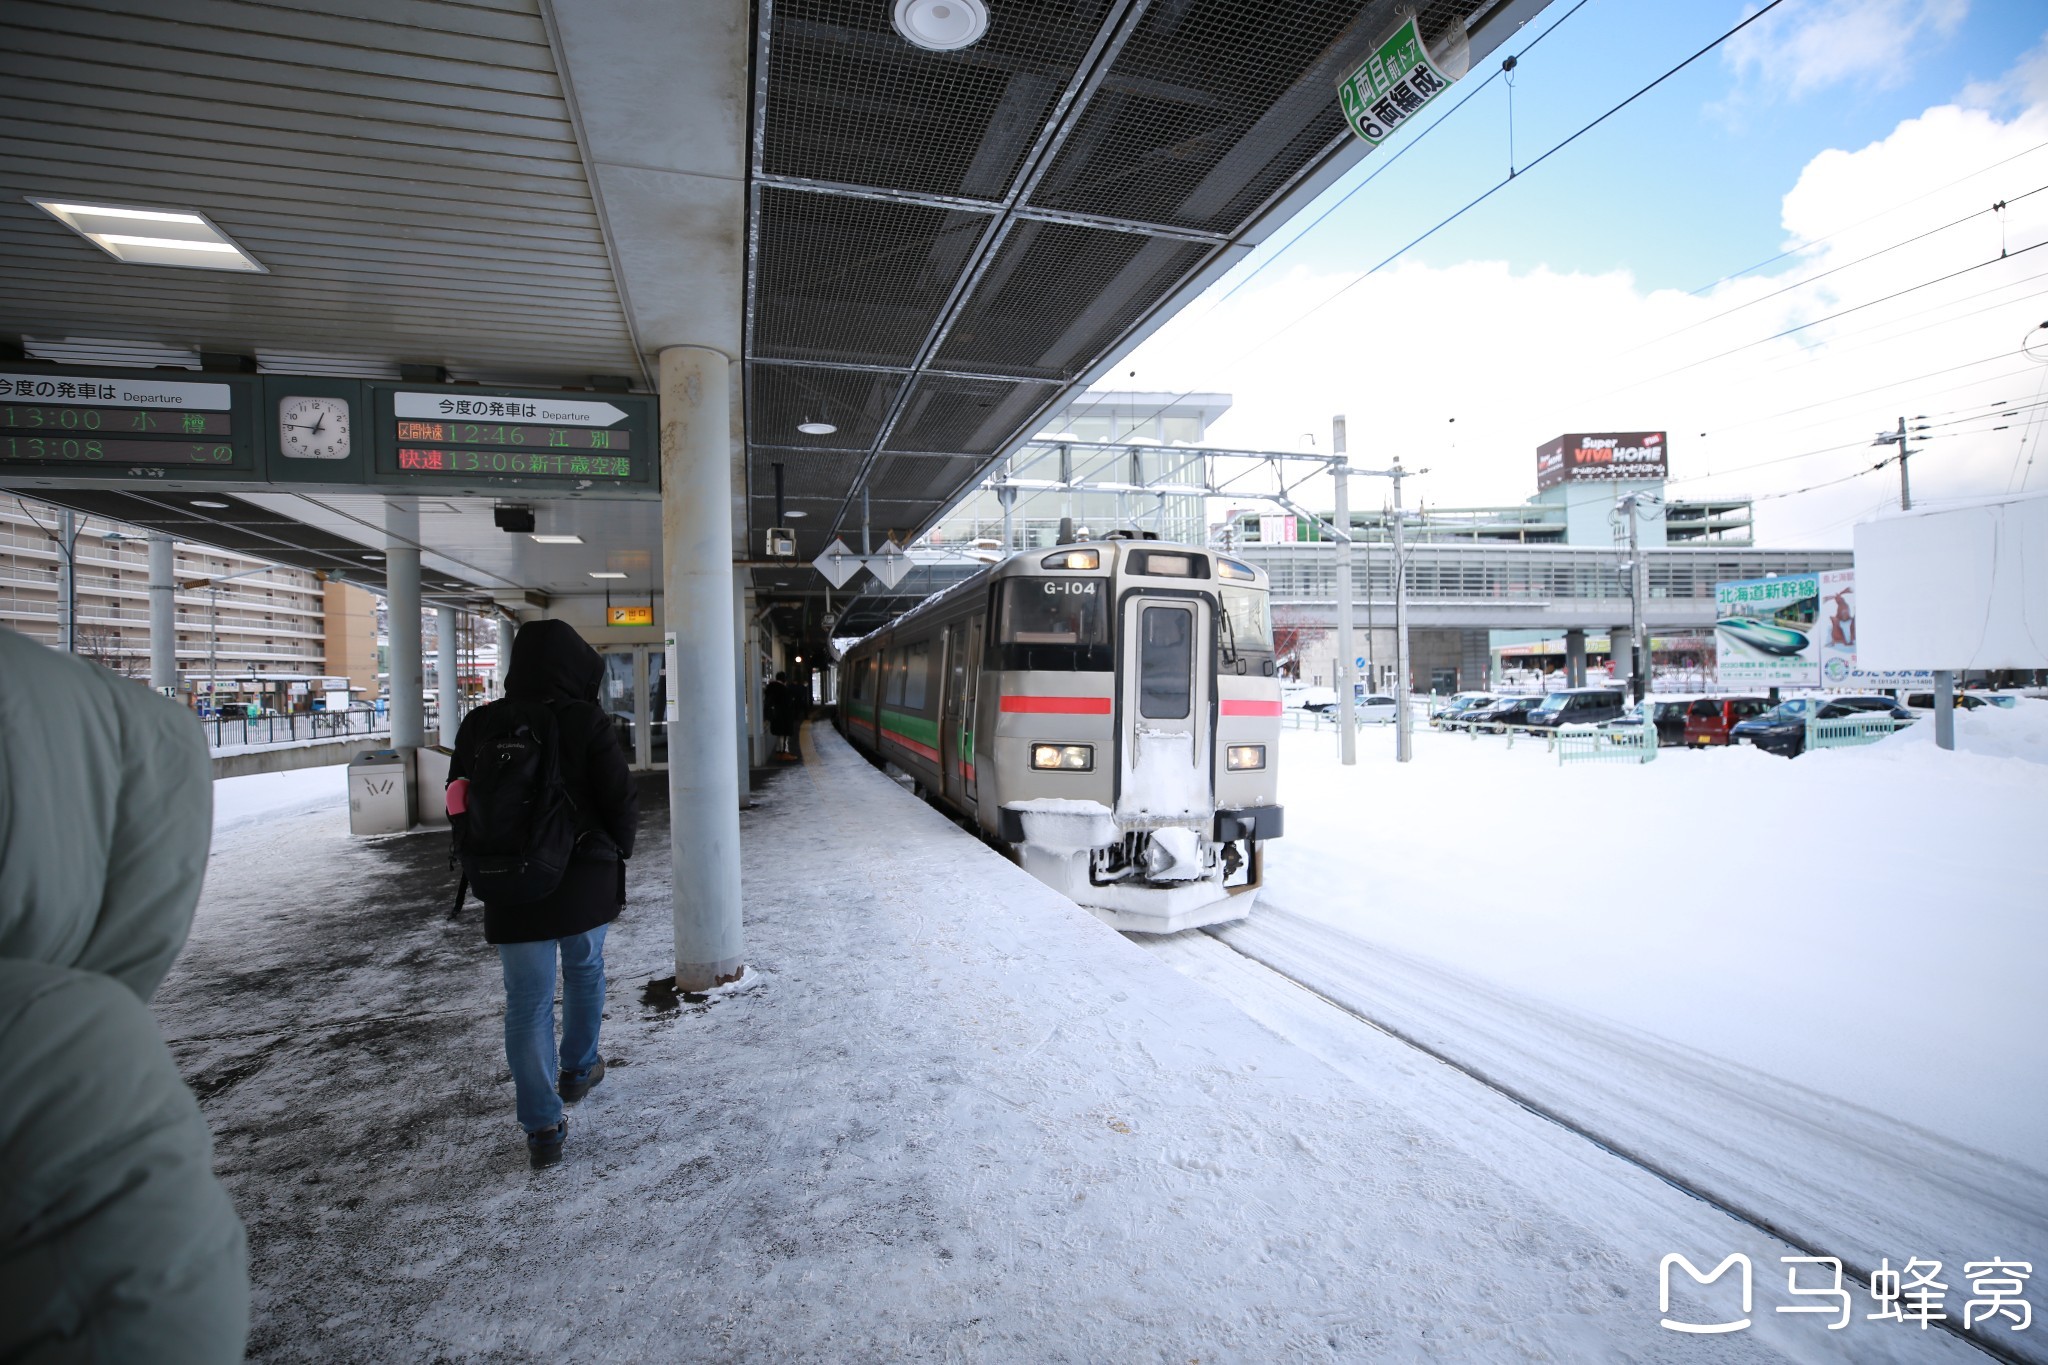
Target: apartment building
260,632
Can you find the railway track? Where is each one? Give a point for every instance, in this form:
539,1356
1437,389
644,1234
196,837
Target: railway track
1623,1094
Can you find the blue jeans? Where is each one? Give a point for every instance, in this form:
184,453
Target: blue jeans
530,1018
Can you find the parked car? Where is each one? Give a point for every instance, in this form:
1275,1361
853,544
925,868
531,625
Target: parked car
1453,712
1508,711
1708,720
1375,710
1782,730
1670,718
1965,701
1577,706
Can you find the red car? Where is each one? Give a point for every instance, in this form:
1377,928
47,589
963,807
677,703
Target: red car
1708,720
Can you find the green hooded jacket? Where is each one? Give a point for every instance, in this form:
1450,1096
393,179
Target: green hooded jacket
117,1243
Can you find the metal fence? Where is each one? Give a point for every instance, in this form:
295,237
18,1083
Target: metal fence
228,732
1466,573
1592,744
1846,732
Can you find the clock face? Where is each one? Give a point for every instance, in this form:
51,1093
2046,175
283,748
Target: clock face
313,428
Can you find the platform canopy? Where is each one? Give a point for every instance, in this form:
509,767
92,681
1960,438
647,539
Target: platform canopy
924,251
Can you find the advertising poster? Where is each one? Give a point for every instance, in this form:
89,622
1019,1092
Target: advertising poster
1838,669
1766,631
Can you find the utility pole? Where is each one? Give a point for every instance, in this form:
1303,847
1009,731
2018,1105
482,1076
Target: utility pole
1630,505
1347,726
1898,438
67,580
1404,724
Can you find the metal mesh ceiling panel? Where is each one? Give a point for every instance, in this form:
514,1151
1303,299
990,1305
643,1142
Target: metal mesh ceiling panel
804,474
914,478
853,103
841,278
781,397
1058,296
965,416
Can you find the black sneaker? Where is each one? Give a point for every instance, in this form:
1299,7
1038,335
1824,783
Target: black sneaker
545,1147
572,1089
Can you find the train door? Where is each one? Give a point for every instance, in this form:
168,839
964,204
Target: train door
1168,672
970,698
952,759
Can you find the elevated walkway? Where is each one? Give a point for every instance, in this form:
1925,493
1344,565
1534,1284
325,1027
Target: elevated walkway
946,1115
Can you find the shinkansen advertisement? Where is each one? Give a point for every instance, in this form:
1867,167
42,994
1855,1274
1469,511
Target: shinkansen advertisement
1764,631
1601,457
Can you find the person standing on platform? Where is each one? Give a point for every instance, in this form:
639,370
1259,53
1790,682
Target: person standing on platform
550,708
779,699
117,1242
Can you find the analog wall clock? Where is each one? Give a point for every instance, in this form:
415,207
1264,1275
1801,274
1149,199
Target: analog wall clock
313,428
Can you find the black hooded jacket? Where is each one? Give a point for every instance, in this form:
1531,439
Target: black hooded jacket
551,663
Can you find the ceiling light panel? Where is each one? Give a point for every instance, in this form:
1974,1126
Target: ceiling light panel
558,540
137,236
607,575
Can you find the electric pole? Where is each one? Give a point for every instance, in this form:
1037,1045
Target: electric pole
1898,438
1631,505
1347,742
1404,724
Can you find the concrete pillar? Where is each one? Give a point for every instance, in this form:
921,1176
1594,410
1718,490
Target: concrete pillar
507,628
163,610
1944,698
447,675
1347,733
67,580
1575,658
745,711
402,615
1621,654
750,680
697,583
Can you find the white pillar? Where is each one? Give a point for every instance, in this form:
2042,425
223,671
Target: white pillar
697,585
1347,731
742,627
447,669
506,629
1620,654
402,617
163,610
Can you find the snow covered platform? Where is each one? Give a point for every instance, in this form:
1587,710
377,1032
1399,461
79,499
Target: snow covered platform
947,1115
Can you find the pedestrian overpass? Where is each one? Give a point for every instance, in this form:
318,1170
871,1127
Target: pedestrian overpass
544,309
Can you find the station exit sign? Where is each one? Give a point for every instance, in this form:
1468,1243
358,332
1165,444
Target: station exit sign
629,616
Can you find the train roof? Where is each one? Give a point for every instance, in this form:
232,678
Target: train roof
1026,561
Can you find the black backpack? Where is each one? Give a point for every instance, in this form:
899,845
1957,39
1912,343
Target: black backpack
518,830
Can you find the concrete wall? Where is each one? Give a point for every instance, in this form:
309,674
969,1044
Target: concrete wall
351,643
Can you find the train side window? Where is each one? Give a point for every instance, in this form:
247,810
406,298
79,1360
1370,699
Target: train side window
917,668
1055,623
893,695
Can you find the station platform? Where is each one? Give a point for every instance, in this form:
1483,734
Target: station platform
946,1115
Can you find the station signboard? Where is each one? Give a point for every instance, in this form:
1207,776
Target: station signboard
70,424
629,616
1600,457
488,440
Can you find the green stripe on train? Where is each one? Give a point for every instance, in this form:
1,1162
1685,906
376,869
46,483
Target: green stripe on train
924,731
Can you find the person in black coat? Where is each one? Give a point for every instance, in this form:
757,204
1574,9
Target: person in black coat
552,664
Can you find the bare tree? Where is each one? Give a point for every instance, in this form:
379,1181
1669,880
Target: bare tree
103,646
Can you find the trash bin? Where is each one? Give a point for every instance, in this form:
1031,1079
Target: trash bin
379,793
430,786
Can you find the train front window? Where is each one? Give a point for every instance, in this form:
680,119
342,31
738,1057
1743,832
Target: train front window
1244,638
1055,623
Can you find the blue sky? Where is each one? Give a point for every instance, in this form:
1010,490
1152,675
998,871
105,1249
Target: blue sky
1681,187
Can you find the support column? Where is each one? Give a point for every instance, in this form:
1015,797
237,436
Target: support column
1944,706
1347,731
747,712
163,611
402,620
507,628
67,580
1575,658
697,584
1621,654
447,675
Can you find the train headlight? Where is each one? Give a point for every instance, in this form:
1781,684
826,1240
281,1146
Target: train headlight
1066,757
1246,757
1073,559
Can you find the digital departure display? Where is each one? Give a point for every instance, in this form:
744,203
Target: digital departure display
543,463
47,420
83,450
499,434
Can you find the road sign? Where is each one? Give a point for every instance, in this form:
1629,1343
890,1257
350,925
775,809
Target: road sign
838,563
889,564
1358,662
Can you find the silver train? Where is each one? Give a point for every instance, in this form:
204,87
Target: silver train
1108,712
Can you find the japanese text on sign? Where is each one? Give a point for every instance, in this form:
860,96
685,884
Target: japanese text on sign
1391,86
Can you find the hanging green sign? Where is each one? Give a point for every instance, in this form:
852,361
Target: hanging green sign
1391,86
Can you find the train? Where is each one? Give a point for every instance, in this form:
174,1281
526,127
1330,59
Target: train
1106,712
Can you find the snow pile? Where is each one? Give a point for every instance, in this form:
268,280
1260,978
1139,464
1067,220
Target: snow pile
1062,825
1996,732
239,800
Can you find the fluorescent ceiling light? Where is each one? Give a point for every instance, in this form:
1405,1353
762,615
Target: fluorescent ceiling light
794,515
559,540
816,428
174,238
607,575
204,502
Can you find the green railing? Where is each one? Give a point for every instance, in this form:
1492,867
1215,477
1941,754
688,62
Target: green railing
1621,744
1846,732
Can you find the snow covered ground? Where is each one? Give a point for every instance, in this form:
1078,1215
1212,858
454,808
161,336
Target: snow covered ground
1811,987
947,1116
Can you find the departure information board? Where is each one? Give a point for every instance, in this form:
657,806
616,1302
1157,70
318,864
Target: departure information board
505,437
126,426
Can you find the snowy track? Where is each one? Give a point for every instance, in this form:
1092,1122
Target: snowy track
1818,1173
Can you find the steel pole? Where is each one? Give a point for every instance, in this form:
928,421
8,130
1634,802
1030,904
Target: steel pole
213,648
402,625
1347,727
67,580
163,611
698,595
1639,585
1905,484
447,674
1404,724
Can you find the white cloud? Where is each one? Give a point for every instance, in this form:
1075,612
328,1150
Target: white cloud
1808,45
1518,358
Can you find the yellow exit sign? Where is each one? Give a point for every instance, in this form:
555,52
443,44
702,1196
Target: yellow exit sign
629,616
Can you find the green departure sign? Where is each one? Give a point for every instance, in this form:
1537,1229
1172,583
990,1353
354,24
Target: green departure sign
1391,86
74,423
498,437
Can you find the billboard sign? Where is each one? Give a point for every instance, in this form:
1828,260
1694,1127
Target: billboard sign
1601,457
1767,631
1838,670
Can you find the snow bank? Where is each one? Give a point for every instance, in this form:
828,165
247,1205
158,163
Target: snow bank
239,800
